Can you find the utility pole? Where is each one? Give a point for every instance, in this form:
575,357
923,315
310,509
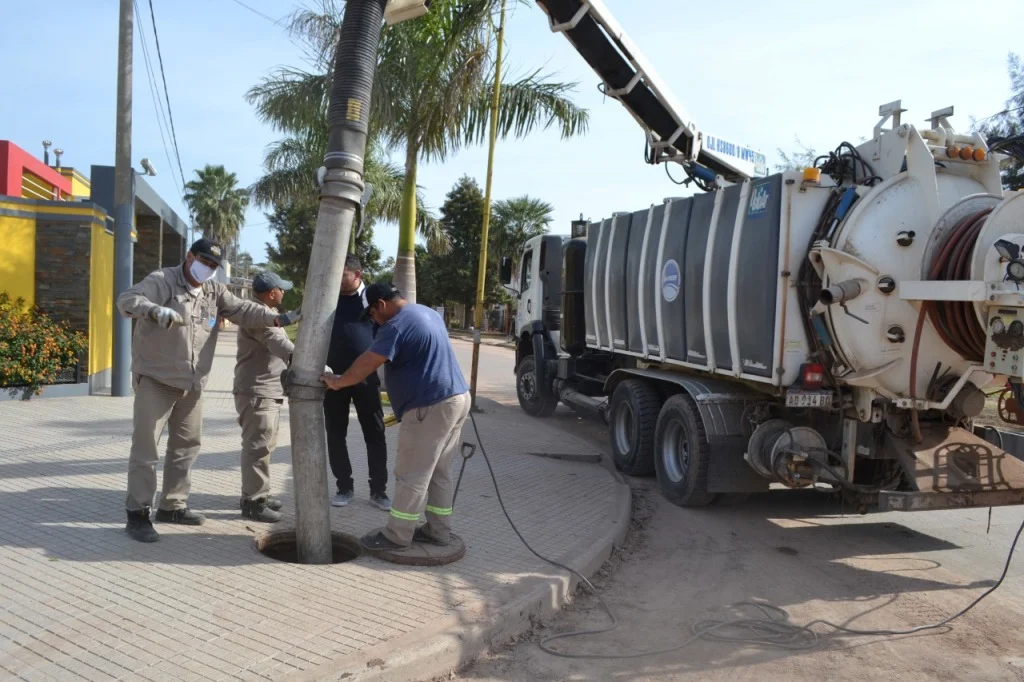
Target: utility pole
481,277
349,112
124,200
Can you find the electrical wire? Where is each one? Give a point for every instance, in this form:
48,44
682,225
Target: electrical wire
257,12
847,163
161,115
772,629
167,95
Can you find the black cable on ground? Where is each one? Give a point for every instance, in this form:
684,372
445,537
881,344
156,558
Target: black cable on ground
772,629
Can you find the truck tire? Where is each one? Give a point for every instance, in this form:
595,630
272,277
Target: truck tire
682,454
530,399
632,418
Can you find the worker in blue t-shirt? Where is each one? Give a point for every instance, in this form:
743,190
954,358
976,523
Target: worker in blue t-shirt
431,400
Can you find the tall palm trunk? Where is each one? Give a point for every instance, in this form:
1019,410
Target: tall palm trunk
405,262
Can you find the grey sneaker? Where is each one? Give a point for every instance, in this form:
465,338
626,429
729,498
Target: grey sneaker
381,501
342,499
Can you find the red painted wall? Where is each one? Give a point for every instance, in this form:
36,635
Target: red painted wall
14,161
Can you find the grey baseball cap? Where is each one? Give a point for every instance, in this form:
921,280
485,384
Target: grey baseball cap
265,281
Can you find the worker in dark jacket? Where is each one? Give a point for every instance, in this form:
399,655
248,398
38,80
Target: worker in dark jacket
351,336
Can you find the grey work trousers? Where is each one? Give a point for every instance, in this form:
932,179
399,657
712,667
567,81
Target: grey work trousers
259,419
427,440
157,405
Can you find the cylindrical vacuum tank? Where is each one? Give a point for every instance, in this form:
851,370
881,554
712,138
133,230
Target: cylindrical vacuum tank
574,331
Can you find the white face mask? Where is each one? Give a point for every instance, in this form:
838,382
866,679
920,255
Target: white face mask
201,272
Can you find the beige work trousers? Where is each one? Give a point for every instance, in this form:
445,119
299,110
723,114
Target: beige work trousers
157,405
427,440
259,419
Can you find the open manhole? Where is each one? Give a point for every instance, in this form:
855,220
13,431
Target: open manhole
281,545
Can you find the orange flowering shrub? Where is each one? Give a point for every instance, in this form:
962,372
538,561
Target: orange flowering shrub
33,348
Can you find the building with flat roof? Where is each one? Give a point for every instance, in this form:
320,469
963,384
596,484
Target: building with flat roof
58,237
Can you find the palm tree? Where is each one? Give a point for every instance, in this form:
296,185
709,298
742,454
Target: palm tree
216,203
295,101
515,221
432,94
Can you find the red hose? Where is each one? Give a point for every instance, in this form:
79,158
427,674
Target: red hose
955,321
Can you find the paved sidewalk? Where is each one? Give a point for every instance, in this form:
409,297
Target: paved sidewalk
80,600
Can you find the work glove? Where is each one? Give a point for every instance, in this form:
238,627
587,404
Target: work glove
289,318
166,317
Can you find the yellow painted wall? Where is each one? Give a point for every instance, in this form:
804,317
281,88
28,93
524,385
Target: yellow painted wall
80,185
18,264
101,301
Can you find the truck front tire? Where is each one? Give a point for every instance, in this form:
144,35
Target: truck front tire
682,453
632,418
533,402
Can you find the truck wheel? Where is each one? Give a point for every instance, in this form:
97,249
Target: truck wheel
682,453
632,418
530,399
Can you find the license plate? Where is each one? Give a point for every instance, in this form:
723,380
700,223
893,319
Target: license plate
808,398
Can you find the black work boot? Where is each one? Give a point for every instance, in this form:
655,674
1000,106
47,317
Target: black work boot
271,502
184,516
422,536
140,527
260,510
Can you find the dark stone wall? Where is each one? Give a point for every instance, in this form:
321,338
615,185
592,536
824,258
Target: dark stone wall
63,252
147,249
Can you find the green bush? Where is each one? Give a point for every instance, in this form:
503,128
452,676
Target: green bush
34,348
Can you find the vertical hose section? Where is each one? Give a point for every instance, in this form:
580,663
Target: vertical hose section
955,321
354,66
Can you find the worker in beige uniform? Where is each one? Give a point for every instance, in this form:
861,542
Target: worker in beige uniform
175,338
263,355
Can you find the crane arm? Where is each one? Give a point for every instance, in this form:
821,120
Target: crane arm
626,76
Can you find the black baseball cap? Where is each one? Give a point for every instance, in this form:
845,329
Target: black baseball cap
265,281
209,249
377,292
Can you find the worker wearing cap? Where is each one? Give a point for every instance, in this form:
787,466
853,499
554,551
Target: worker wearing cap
175,338
430,398
263,354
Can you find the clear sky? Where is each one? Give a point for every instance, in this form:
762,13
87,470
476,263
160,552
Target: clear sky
748,70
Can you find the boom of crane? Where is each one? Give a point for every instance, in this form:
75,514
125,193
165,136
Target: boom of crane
627,77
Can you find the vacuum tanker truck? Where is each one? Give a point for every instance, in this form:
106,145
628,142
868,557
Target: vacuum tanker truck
834,327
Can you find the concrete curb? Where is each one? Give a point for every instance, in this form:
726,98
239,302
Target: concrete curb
456,641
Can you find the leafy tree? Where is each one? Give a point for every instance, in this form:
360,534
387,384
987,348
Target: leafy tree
295,102
802,158
514,221
1009,123
450,278
293,226
243,265
216,203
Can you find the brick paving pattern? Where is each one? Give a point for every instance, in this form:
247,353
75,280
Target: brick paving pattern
80,600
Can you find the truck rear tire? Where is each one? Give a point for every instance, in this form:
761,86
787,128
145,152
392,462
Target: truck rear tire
632,418
531,400
682,453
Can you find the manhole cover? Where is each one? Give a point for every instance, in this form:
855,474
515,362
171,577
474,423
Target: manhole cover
280,545
425,554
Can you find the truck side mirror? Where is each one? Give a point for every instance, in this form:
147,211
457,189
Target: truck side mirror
505,271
